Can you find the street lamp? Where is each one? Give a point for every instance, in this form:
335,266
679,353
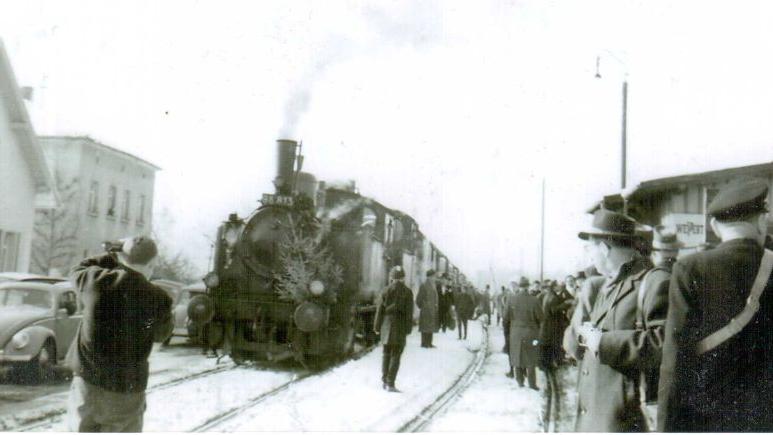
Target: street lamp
624,138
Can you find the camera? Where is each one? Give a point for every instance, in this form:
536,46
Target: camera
112,246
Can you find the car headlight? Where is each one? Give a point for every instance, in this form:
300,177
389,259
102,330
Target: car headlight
316,287
20,339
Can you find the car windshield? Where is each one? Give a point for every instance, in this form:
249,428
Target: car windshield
25,297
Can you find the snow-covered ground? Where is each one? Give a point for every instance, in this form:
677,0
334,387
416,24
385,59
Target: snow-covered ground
167,364
346,398
350,398
493,402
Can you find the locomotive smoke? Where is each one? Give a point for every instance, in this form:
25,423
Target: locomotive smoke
415,27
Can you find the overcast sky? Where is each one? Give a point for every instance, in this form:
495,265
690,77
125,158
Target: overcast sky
450,111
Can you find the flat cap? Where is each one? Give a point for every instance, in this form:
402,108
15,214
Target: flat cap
139,249
739,199
610,224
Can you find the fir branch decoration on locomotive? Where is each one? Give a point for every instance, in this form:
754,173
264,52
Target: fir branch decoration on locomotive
299,277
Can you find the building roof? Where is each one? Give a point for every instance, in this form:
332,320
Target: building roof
649,187
10,96
107,148
658,185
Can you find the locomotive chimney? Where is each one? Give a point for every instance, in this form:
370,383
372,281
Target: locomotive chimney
285,159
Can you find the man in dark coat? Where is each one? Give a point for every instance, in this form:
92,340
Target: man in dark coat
123,314
522,319
393,322
427,301
721,385
617,349
555,303
464,305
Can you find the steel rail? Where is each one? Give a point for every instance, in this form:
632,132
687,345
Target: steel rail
449,397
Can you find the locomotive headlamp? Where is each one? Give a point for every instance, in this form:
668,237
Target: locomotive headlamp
20,339
211,280
316,287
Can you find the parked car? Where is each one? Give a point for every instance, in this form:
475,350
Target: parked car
38,322
28,277
184,326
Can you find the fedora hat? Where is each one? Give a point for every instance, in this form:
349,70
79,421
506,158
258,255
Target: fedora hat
610,224
665,239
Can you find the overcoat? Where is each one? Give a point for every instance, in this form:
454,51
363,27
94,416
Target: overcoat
729,388
608,387
584,304
465,305
394,314
553,325
522,318
427,300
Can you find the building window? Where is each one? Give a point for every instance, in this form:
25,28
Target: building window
93,197
141,216
9,251
111,200
127,202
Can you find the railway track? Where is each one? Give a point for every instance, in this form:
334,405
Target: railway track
211,424
50,418
445,400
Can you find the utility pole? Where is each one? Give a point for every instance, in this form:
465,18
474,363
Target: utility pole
624,139
542,236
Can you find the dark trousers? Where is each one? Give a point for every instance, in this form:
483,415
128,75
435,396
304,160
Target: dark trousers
526,372
552,399
463,324
426,339
443,318
390,363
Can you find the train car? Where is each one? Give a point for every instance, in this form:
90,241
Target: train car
299,277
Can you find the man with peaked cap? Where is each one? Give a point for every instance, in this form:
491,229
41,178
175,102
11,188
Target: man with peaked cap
394,321
123,314
665,247
617,349
717,373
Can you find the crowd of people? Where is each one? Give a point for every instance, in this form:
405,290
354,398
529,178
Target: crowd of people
660,341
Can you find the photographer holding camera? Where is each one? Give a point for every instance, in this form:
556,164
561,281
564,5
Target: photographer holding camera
123,314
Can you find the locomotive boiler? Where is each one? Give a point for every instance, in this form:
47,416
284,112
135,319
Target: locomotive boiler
299,277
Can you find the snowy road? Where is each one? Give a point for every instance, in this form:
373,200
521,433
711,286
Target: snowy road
493,403
350,397
41,406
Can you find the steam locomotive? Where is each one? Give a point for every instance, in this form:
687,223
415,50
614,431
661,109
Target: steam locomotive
298,278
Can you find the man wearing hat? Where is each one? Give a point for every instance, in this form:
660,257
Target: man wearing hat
717,373
394,320
427,301
617,350
665,248
522,319
445,299
123,314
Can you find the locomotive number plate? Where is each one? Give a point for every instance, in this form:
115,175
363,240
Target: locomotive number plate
269,199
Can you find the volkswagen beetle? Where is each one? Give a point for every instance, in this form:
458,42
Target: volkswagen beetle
38,322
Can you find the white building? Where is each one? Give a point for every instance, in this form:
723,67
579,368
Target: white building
106,194
25,181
